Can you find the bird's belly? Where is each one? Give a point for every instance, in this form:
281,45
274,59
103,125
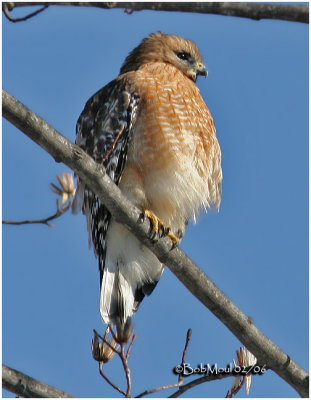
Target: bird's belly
173,189
173,194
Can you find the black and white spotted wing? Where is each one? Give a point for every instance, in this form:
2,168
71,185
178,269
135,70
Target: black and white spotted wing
104,131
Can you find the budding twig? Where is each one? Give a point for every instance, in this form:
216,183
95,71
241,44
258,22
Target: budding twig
66,191
100,354
183,360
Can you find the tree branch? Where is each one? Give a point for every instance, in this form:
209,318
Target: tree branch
199,381
44,221
267,352
25,386
66,191
256,11
7,6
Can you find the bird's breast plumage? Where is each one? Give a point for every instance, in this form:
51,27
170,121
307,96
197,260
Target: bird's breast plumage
174,156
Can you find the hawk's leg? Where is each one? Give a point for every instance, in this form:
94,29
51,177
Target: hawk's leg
157,227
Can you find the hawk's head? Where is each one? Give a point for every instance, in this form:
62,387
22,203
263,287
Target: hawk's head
175,50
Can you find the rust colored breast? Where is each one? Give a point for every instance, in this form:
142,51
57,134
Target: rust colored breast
174,144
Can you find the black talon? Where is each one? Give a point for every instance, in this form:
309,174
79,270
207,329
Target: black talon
163,231
174,245
141,218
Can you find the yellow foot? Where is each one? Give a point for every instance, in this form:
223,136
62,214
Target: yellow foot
157,227
156,223
176,240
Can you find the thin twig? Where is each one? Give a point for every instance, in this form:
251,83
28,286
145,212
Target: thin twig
180,378
183,360
66,192
124,360
134,337
146,392
124,356
44,221
183,388
108,380
5,9
126,369
199,381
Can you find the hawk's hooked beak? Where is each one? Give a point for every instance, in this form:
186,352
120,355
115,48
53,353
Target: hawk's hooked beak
200,69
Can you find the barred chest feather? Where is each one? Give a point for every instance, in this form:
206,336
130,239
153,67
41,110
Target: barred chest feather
174,156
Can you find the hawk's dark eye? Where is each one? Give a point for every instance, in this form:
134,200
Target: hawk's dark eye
183,55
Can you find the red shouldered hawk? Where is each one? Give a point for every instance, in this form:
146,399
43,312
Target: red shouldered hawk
154,134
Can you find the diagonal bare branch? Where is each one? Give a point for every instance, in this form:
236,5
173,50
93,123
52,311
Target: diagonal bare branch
267,352
256,11
25,386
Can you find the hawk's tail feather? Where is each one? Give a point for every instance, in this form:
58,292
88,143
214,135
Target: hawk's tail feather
130,272
119,301
116,297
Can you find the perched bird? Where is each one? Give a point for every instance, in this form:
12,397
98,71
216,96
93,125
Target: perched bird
154,134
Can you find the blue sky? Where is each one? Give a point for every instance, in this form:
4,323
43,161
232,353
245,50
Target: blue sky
255,249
